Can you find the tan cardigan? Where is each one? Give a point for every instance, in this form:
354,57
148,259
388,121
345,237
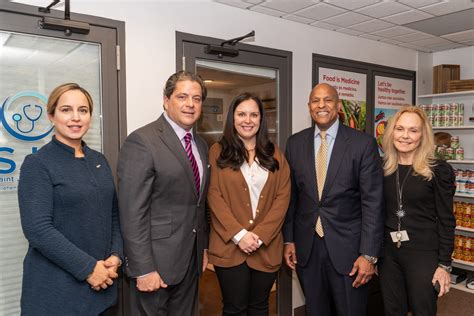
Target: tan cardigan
231,211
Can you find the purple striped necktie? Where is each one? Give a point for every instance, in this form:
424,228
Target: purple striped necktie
189,151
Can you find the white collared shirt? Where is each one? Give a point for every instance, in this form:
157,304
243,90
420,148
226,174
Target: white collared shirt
181,132
256,176
331,134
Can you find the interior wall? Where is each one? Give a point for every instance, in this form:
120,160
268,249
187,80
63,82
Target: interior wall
460,56
225,95
150,40
424,74
150,49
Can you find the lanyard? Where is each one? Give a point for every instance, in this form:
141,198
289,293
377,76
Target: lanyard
400,211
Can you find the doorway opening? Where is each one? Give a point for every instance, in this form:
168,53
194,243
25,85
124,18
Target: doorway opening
223,83
266,73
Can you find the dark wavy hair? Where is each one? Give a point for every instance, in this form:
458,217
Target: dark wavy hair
183,75
233,153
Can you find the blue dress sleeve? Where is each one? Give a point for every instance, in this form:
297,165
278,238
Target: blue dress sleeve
35,196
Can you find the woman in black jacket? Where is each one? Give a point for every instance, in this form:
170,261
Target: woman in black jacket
419,228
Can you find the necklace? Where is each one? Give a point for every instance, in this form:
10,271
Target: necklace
400,211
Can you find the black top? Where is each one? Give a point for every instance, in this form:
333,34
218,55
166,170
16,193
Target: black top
429,219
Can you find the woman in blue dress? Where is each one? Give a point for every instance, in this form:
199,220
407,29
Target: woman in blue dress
69,216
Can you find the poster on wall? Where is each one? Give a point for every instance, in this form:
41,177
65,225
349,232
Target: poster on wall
352,90
390,95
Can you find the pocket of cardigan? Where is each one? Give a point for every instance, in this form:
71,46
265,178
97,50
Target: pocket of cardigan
161,227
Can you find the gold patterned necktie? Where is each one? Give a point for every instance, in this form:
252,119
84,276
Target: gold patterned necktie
321,171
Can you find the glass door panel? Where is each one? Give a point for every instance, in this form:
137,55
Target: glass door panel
30,67
224,81
265,72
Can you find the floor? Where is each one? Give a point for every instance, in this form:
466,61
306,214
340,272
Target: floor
210,300
456,303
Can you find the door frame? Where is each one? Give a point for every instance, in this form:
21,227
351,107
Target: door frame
284,90
108,88
370,70
17,17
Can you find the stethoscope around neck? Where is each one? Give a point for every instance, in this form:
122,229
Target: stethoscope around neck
17,118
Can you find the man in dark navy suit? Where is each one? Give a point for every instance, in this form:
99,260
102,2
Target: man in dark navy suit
334,225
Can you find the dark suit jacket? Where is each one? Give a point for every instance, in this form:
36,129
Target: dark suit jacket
351,207
161,214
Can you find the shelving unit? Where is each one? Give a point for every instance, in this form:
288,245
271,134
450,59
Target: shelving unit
469,161
211,132
447,94
465,229
465,265
465,195
271,111
466,140
453,128
462,286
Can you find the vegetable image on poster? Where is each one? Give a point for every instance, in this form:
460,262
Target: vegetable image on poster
353,114
390,95
352,89
381,118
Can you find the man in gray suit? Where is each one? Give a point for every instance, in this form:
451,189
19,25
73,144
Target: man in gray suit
163,177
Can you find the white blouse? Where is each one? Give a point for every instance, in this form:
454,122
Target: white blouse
256,176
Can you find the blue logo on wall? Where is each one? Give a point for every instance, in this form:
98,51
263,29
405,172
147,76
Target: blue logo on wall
24,116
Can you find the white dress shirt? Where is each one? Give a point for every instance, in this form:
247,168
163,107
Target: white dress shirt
256,176
181,132
331,134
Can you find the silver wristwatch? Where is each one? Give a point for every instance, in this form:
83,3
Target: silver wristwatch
448,269
371,259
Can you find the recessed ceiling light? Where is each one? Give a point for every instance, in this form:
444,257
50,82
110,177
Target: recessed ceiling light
208,80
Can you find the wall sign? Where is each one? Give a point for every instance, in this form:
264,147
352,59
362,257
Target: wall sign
24,128
390,95
352,90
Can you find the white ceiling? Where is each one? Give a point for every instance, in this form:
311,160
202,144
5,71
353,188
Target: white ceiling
423,25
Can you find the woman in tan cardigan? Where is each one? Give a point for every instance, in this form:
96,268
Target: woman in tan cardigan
248,195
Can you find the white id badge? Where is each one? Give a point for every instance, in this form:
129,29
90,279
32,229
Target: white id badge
399,236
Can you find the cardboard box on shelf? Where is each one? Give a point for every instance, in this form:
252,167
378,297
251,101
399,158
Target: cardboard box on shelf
460,85
442,74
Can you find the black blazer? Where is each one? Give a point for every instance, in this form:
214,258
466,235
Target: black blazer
161,213
351,207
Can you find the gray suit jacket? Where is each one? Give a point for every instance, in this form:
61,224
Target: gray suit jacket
161,214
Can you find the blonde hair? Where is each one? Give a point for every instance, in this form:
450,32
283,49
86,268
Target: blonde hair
60,90
424,158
